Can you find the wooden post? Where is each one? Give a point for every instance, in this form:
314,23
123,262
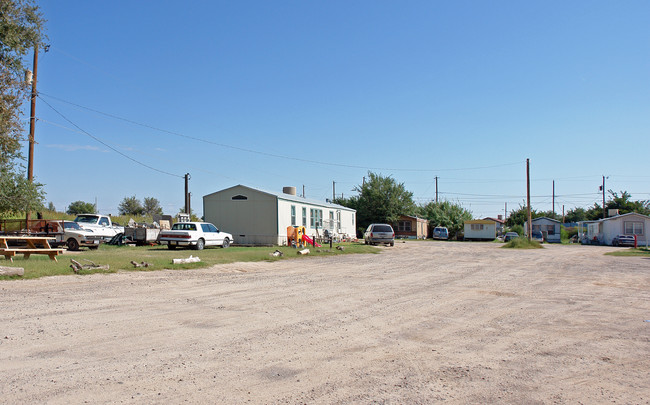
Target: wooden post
530,222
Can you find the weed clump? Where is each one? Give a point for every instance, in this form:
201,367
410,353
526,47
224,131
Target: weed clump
522,243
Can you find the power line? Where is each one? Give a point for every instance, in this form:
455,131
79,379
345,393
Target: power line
107,145
223,145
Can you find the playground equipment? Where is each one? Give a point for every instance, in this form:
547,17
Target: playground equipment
296,237
308,240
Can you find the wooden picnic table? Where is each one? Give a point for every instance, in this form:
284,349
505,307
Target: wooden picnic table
36,245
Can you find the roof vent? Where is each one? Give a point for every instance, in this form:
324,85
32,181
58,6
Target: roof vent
612,212
289,190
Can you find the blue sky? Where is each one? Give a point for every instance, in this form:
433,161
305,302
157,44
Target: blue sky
133,95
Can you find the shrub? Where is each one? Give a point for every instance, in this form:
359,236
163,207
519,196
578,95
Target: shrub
522,243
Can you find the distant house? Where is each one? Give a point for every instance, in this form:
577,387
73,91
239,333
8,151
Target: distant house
549,227
258,217
480,229
500,224
604,230
411,227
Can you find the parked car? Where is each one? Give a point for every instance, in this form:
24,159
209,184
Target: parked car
623,240
538,236
379,233
196,235
440,232
75,237
510,236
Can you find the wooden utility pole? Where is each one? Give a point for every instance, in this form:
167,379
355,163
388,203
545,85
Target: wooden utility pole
553,198
604,212
530,223
436,189
32,125
333,191
187,193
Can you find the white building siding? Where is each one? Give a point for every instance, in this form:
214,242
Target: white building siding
612,227
488,231
257,217
317,216
603,231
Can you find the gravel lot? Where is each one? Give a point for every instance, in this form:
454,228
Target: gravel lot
422,322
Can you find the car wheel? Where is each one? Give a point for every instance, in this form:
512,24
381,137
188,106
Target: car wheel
392,243
365,241
199,244
170,246
72,244
93,247
226,243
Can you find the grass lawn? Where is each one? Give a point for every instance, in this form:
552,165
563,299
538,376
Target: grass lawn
120,257
631,252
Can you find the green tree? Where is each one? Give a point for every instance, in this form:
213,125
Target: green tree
130,206
520,216
517,228
576,215
80,207
380,199
51,207
595,212
549,214
625,205
450,215
21,29
151,206
622,202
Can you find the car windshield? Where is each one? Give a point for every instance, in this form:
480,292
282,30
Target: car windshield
382,228
184,227
86,219
71,225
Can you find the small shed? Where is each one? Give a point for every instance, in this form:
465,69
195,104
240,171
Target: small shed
549,227
410,227
480,229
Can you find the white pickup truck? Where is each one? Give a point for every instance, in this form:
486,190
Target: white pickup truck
101,225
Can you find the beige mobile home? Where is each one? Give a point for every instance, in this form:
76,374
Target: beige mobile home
258,217
480,229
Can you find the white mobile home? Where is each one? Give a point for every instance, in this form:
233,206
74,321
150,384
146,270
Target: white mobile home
604,230
549,227
258,217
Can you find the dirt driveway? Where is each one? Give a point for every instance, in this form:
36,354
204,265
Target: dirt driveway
419,323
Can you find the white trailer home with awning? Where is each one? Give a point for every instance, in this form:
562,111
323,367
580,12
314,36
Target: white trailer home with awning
259,217
603,231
